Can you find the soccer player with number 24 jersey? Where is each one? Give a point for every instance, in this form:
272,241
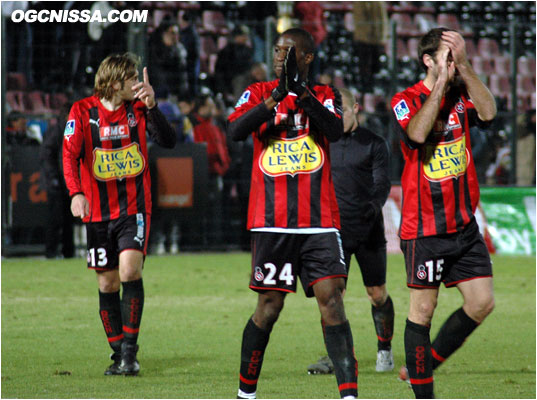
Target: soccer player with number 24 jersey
293,213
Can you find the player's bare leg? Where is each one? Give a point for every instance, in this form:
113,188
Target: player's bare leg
338,336
478,298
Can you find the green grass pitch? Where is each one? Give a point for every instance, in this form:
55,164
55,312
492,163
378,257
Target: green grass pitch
53,344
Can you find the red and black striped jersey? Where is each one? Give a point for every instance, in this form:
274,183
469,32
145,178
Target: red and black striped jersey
105,158
439,181
291,184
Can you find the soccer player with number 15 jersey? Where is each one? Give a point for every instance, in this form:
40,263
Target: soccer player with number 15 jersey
439,234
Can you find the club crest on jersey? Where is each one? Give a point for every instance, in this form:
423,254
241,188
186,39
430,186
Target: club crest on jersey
69,128
445,160
131,120
243,99
421,274
401,110
258,274
459,107
299,155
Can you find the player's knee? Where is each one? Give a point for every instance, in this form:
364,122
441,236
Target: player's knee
422,312
268,310
481,308
109,286
377,295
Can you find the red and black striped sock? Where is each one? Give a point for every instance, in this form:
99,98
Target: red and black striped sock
383,319
451,336
419,359
132,305
110,313
254,343
340,347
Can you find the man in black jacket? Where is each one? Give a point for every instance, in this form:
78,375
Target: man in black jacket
360,173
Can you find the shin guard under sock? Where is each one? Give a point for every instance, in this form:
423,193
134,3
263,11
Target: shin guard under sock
110,313
383,319
254,343
451,336
340,347
132,305
419,359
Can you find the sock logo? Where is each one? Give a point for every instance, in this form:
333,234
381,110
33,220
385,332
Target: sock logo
135,307
254,362
106,321
420,359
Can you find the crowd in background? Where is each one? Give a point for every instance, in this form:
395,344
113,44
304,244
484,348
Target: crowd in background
197,81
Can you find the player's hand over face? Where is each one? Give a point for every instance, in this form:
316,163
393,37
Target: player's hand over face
294,80
280,92
144,91
446,68
79,206
457,45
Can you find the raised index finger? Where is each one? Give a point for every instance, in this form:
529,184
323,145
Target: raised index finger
146,76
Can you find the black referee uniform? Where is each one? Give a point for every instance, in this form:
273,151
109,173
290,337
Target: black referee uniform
360,174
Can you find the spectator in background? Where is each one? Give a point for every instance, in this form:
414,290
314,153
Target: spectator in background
168,60
234,60
481,150
525,150
18,53
370,34
206,131
327,77
498,171
190,39
258,13
258,73
311,16
60,221
18,132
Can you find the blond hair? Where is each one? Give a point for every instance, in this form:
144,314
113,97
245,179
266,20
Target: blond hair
348,95
114,68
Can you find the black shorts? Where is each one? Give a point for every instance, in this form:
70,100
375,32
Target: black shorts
105,240
370,253
450,258
278,258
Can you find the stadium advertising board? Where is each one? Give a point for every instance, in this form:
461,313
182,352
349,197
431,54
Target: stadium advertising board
510,214
506,218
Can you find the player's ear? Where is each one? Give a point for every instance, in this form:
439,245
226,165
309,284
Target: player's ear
308,59
428,60
116,85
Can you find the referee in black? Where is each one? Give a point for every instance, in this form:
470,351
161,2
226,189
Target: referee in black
360,174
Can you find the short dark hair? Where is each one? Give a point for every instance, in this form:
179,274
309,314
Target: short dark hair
303,37
430,43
